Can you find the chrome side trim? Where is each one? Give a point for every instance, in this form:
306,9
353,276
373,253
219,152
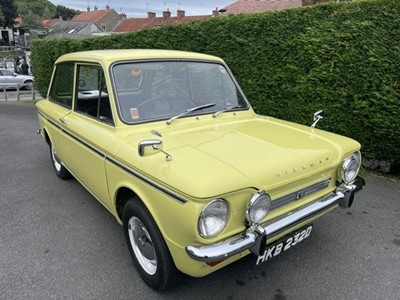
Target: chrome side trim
245,241
118,164
150,182
297,195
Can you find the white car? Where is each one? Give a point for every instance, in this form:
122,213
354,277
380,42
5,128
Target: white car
11,80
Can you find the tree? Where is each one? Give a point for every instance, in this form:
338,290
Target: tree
47,13
65,12
9,13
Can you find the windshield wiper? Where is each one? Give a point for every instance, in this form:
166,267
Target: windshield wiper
225,110
188,111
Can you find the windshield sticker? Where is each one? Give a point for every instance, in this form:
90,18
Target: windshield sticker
134,113
222,69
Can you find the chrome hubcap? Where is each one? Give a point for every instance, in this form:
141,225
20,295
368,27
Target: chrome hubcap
56,160
142,245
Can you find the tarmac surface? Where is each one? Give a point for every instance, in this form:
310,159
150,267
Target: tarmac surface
58,242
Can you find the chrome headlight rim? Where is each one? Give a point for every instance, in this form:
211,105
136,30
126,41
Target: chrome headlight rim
350,167
255,218
223,217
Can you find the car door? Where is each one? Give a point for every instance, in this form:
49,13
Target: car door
89,129
7,76
60,104
2,79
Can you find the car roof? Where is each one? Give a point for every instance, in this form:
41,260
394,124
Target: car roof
110,56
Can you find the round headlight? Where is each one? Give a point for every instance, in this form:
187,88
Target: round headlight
258,207
213,218
350,167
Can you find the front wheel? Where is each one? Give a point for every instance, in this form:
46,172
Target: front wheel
60,170
147,247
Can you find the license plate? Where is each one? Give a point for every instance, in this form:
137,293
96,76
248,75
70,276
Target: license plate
284,244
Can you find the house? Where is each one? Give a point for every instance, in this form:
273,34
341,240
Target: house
152,21
49,22
106,19
257,6
6,37
72,29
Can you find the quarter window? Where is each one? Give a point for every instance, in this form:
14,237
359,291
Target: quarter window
92,94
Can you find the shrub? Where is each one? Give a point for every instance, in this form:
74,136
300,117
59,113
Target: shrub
343,58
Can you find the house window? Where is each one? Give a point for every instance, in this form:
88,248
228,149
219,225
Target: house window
103,26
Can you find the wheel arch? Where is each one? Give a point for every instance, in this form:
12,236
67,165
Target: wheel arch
123,195
176,249
46,136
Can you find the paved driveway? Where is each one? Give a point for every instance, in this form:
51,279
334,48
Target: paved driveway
58,242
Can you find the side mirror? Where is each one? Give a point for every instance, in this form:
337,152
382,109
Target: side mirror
317,116
151,147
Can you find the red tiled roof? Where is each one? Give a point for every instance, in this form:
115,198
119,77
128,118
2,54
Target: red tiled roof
135,24
254,6
47,23
92,16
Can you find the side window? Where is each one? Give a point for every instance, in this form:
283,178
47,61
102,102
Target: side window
62,86
92,95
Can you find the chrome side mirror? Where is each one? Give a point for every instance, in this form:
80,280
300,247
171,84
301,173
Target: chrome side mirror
151,147
317,117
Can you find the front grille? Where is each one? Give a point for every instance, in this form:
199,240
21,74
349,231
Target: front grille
307,191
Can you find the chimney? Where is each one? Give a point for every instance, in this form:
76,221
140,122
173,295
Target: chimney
88,9
215,12
166,14
95,7
60,18
151,15
180,13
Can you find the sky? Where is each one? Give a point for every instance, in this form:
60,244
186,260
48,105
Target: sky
139,8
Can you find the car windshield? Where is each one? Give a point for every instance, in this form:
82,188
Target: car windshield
150,91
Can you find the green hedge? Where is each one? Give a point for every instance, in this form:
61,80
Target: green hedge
343,58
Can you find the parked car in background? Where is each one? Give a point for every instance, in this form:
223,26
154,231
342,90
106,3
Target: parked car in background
11,79
169,144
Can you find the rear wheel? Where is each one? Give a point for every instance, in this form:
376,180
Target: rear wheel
60,170
147,247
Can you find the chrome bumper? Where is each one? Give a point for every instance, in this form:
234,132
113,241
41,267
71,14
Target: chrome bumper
254,239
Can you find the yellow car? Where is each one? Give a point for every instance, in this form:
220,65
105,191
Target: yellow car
169,144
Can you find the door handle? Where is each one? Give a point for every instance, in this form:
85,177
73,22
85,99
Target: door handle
62,120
